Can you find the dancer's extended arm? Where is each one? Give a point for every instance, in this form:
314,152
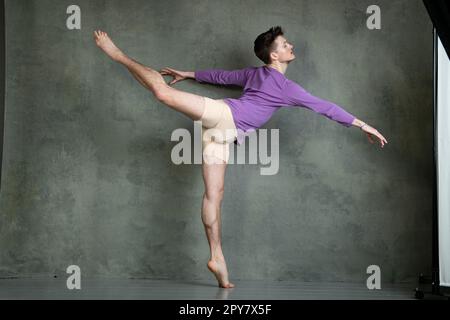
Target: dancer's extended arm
297,96
214,76
223,77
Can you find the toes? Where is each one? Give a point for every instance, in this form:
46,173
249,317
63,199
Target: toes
98,34
101,34
226,286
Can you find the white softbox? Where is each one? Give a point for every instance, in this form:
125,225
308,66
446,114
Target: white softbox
443,162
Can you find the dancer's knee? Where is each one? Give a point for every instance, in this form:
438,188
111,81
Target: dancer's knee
162,92
214,195
209,220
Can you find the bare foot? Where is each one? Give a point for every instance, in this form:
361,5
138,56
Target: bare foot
219,269
105,43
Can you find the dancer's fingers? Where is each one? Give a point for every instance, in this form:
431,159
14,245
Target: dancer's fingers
382,139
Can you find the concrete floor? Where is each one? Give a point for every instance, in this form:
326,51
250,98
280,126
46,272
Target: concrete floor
145,289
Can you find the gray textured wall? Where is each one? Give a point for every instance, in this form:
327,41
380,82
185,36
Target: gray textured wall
87,176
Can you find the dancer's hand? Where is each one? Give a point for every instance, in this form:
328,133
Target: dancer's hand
370,132
177,75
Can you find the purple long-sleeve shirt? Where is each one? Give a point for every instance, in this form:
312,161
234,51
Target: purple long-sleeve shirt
265,91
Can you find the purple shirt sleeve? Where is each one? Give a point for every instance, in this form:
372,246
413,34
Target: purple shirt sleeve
297,96
224,77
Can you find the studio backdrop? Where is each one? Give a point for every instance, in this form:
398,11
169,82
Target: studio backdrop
87,176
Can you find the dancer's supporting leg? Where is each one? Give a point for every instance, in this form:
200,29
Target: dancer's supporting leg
187,103
214,176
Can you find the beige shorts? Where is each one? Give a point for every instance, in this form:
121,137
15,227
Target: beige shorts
218,131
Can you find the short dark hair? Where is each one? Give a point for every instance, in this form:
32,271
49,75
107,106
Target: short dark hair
264,43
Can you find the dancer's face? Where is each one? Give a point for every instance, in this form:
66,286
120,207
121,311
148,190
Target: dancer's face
284,51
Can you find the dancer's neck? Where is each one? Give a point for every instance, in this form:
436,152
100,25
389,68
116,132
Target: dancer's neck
281,67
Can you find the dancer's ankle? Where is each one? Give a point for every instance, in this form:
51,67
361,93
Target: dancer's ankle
120,57
217,258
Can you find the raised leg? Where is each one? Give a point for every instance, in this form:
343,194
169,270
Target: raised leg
214,176
191,105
